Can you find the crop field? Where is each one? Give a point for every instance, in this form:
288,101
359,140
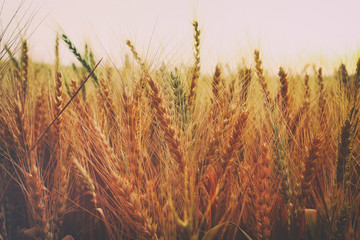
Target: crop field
93,151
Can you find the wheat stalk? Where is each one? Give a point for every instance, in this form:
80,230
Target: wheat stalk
196,69
58,105
322,100
36,198
309,170
234,141
260,74
245,85
24,68
171,136
263,200
284,95
85,64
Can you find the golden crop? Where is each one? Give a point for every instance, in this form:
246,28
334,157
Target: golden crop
98,152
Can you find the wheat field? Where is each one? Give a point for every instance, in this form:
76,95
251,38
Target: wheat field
90,151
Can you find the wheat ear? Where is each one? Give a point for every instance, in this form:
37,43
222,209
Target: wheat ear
260,74
196,69
263,200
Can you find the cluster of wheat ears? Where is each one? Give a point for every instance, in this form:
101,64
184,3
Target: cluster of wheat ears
90,152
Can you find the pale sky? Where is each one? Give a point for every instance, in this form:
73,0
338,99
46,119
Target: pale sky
288,33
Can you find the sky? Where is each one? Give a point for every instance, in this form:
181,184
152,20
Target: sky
290,33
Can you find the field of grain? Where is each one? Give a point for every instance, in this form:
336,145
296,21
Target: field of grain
90,151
